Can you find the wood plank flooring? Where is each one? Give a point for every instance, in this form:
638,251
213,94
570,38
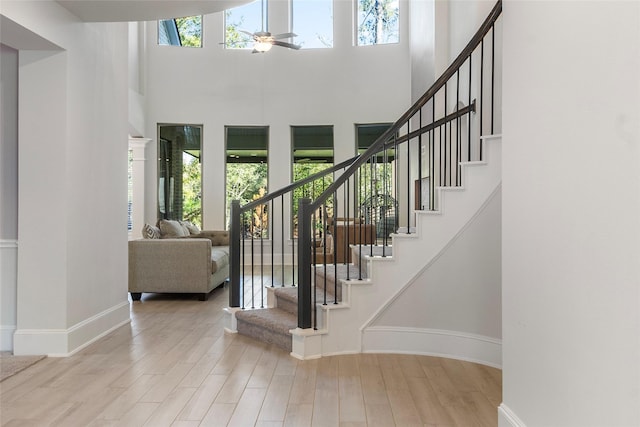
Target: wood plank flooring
174,366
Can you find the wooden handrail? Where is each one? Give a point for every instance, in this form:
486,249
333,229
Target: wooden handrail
430,93
284,190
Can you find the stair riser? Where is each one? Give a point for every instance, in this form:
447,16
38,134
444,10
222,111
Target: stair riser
287,305
262,334
331,288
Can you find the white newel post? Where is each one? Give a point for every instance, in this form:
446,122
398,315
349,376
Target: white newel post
137,146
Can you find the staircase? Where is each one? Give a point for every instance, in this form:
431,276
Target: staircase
446,166
356,293
275,323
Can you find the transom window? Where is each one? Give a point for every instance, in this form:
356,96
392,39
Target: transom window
185,31
241,20
312,21
377,22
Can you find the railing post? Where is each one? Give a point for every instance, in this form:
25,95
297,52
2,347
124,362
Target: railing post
234,254
304,264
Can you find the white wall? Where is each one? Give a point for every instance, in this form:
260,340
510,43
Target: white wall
571,204
217,87
137,69
422,38
8,193
72,259
460,290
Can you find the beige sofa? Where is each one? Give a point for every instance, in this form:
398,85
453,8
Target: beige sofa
197,262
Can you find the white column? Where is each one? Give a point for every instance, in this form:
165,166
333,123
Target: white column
137,145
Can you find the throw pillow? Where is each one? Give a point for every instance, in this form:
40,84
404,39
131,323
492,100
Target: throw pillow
171,228
193,229
150,232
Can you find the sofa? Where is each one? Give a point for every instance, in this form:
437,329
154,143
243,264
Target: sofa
177,257
348,232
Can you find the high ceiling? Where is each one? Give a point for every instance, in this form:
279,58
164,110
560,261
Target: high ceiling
143,10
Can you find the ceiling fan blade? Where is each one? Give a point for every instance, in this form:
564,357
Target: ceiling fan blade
284,36
285,44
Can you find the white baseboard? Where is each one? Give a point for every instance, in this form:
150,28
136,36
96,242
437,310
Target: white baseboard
6,337
66,342
433,342
506,417
8,290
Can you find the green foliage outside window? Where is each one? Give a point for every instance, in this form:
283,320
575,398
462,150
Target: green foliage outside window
310,190
190,30
185,31
233,37
247,182
192,190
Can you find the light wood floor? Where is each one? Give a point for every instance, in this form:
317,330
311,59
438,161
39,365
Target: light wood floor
174,366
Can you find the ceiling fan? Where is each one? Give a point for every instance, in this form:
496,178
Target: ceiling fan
264,40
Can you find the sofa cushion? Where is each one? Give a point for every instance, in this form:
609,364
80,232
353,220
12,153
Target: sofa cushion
217,237
172,229
219,258
150,232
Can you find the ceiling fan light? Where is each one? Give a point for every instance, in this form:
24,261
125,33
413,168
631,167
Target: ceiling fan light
261,46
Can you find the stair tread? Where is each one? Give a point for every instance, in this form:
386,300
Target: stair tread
377,250
354,271
291,294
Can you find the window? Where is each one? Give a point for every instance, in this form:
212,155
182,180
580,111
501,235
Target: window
377,22
377,190
312,152
379,173
312,21
180,173
246,174
185,31
242,19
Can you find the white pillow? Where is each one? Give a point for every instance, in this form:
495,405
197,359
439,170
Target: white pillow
171,228
191,228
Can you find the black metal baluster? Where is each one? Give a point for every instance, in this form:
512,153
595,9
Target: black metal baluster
282,238
457,128
419,195
432,176
396,189
469,116
439,162
273,239
408,183
481,96
243,241
251,230
444,176
261,260
493,62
